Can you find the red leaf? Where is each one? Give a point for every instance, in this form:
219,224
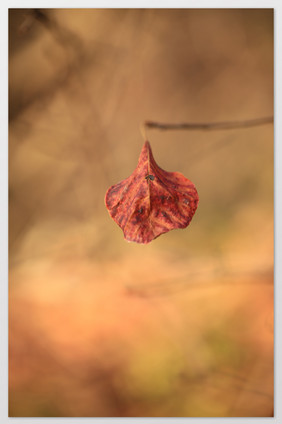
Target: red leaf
151,201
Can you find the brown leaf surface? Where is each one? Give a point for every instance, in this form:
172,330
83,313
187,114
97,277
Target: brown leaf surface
151,201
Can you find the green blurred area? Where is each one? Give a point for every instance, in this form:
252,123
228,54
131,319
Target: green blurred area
101,327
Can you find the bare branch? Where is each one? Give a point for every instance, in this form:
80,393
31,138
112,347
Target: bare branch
210,125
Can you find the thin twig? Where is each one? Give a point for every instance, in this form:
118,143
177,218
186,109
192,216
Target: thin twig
210,125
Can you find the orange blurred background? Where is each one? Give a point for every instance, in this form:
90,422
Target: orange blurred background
101,327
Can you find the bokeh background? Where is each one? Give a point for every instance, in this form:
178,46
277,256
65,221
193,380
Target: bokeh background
101,327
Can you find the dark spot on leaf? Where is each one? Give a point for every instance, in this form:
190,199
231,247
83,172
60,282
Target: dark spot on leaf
150,177
166,218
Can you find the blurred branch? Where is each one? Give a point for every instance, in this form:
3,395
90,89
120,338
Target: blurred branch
197,281
210,125
62,35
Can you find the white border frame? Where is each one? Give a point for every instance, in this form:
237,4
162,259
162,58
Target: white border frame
277,5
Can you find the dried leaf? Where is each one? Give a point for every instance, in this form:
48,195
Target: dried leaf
151,201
